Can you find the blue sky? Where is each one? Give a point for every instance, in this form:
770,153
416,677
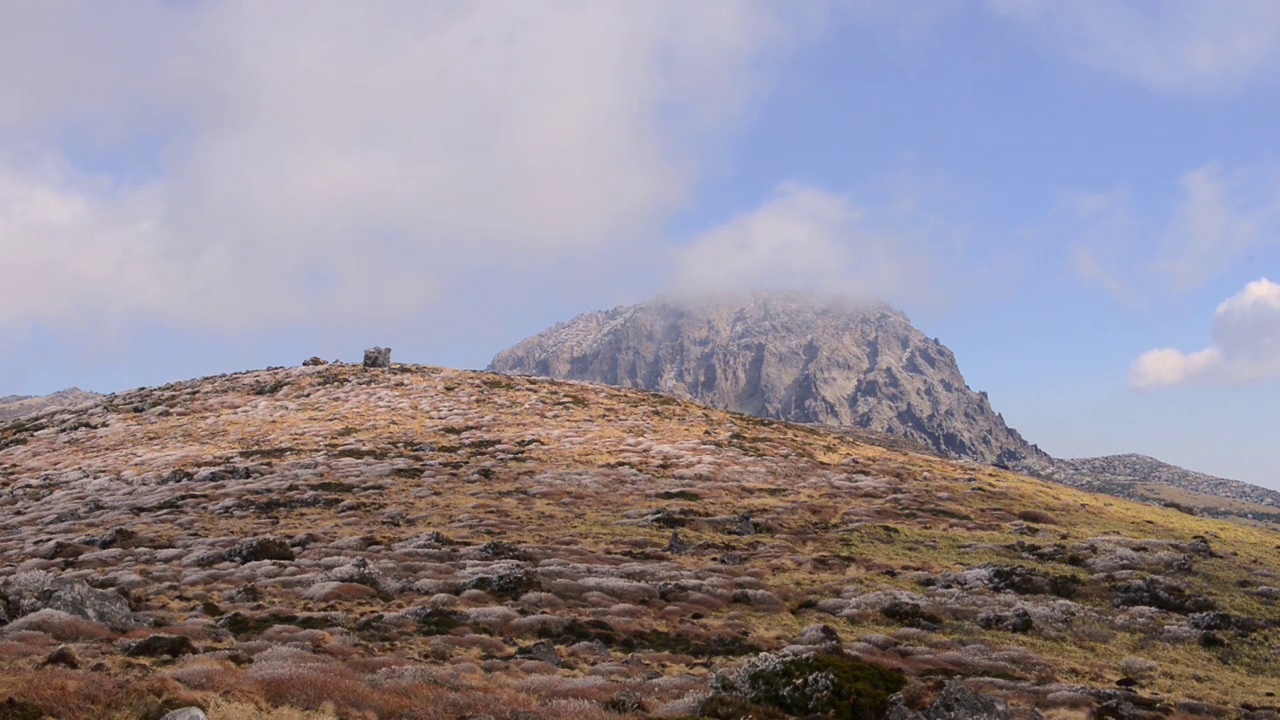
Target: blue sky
1081,199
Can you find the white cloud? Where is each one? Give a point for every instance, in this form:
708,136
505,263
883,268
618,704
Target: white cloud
1246,345
1215,225
806,238
233,165
1219,219
1196,47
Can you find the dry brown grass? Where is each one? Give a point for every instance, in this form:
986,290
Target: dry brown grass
583,486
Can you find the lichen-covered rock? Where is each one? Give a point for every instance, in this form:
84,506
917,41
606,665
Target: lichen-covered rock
818,636
958,702
27,593
261,548
818,684
544,651
377,357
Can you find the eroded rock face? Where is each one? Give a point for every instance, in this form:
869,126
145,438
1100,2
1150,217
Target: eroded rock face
784,356
27,593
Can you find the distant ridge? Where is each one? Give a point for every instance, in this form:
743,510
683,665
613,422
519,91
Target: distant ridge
1130,476
16,406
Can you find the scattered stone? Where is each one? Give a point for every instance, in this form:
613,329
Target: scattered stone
745,526
63,656
1157,593
544,651
377,357
315,362
818,636
171,646
958,702
678,545
1018,621
262,548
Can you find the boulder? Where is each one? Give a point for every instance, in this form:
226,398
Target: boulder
26,593
377,357
818,636
314,362
958,702
544,651
171,646
260,548
63,656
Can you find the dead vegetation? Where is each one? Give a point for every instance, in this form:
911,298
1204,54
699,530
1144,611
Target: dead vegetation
427,543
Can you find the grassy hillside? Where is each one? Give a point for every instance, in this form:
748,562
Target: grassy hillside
342,542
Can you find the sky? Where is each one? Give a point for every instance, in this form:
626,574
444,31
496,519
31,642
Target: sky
1081,199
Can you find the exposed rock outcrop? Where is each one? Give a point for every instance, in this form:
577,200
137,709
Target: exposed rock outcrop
786,356
377,357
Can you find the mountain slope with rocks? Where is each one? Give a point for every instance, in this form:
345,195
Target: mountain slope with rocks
15,406
1140,477
413,543
788,356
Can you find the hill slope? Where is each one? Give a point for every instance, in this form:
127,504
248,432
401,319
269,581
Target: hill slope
444,544
15,406
787,356
1140,477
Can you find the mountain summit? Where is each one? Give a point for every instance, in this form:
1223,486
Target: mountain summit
788,356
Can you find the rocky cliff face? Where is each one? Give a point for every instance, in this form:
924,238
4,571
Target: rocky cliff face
791,357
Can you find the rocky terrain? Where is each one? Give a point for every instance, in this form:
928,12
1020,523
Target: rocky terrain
1145,478
15,406
345,542
808,359
787,356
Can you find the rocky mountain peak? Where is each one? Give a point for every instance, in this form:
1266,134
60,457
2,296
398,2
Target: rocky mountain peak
782,355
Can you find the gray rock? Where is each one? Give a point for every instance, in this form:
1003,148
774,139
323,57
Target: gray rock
315,362
377,358
544,651
898,710
260,548
27,593
678,545
958,702
818,636
160,645
788,356
186,713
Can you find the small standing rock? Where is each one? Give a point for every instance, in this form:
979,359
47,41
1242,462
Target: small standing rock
377,358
